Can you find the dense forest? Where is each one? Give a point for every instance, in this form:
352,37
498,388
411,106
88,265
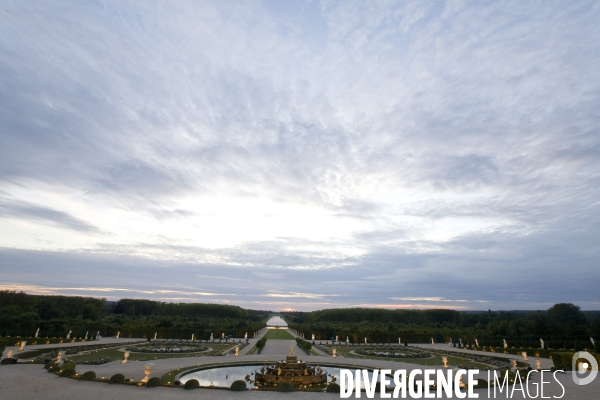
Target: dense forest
22,314
561,326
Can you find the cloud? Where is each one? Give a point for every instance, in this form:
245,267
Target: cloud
395,150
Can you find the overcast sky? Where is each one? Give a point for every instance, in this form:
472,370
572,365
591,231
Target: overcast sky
304,155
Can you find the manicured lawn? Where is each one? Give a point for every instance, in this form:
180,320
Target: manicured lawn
117,355
280,334
436,360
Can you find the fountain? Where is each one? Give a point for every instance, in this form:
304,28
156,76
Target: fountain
291,370
60,358
445,361
23,343
524,354
125,357
37,333
147,372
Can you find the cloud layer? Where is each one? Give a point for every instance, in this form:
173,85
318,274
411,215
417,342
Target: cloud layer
304,155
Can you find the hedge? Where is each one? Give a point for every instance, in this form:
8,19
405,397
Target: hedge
67,372
238,386
304,345
153,382
564,360
88,376
8,361
117,378
333,388
192,384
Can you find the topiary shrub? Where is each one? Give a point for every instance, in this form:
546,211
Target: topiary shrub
285,387
153,382
88,376
8,361
117,378
238,386
333,388
48,364
192,384
67,372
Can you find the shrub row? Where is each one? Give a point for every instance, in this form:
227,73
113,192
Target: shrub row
261,344
304,345
564,360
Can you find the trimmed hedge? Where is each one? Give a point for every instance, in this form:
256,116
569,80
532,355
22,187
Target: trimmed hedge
88,376
304,345
333,388
8,361
153,382
238,386
67,372
285,387
564,360
192,384
117,378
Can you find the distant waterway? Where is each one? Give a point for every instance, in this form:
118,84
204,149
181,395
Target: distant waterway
277,321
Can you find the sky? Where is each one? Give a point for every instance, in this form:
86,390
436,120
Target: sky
301,154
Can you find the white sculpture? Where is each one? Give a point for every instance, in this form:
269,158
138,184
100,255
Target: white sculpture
118,334
592,340
538,364
514,364
524,354
23,343
98,335
125,357
211,336
460,341
347,340
86,334
69,335
432,342
37,333
450,343
365,340
9,353
476,342
399,341
223,335
155,334
541,343
445,361
246,336
505,344
313,337
147,372
237,351
336,339
192,337
334,353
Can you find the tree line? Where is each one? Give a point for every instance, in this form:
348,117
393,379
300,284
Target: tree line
22,314
560,326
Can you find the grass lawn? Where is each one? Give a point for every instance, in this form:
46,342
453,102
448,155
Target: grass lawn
436,360
281,334
117,355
